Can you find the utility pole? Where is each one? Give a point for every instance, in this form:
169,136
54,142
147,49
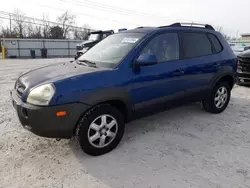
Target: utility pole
10,25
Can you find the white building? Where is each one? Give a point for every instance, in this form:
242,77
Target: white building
245,36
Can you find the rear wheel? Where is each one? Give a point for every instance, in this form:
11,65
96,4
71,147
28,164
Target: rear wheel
100,130
219,98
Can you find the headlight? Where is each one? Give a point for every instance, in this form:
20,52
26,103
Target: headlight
41,95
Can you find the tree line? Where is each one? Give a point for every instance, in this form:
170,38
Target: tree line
21,26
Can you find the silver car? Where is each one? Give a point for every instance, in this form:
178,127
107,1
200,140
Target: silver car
237,49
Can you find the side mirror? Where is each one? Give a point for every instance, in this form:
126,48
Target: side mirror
146,59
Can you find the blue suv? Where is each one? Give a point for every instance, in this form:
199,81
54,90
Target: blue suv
127,75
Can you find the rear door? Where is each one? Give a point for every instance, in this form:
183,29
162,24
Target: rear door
202,60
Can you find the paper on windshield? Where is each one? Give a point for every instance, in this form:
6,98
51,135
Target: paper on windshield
130,40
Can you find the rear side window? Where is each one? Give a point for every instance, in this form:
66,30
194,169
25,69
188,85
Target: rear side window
216,43
196,45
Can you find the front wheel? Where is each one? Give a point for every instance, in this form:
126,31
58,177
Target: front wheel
219,98
100,130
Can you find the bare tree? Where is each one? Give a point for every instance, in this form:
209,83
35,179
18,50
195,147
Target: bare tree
82,34
38,32
66,20
30,30
77,35
221,30
5,33
19,22
1,21
34,31
86,30
46,26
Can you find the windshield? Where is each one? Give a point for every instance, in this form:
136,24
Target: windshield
110,51
94,37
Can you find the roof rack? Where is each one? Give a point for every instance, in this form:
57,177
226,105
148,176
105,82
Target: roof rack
102,31
141,27
205,26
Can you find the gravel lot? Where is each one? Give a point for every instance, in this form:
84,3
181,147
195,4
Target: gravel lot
184,147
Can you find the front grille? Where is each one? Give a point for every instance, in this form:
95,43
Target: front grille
19,88
243,65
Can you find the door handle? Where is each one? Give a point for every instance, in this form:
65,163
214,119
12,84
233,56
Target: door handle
178,72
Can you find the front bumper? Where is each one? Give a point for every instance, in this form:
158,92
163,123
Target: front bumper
44,122
243,78
80,53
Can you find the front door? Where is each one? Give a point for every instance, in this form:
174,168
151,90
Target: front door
161,82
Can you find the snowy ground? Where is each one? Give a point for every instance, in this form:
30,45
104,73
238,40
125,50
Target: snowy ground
184,147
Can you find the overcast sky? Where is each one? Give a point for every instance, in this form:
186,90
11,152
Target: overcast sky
232,15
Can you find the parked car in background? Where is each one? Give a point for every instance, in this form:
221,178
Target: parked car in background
246,48
94,38
125,76
243,68
237,49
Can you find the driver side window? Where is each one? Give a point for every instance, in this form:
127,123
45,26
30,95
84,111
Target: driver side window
165,47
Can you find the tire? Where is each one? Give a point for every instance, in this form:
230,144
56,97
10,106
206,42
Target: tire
92,130
212,105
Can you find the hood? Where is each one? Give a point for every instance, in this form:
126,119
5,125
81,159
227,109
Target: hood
237,53
88,43
54,73
245,54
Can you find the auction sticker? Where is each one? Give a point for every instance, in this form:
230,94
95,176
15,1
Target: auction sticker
129,40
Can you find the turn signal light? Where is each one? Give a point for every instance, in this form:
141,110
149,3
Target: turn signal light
61,113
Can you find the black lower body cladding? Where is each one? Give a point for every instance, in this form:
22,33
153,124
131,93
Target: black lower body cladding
43,121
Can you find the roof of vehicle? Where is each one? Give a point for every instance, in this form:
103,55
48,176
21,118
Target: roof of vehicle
175,26
100,31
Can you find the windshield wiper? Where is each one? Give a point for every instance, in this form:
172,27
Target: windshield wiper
87,62
82,63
